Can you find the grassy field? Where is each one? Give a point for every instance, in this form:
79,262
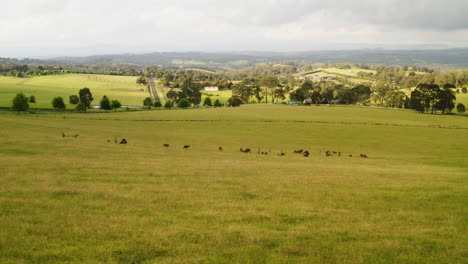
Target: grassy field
84,200
45,88
222,96
462,98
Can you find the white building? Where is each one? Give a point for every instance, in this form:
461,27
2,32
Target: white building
211,88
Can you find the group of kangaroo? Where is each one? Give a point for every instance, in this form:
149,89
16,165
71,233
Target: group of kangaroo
304,153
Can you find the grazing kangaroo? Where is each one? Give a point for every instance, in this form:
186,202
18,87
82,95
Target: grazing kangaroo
123,142
299,151
364,156
166,145
281,153
186,146
220,149
247,150
306,154
73,136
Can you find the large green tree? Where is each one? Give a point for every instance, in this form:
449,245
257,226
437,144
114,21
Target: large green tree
20,103
58,103
269,84
105,103
86,97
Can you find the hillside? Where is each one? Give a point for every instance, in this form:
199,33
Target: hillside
444,58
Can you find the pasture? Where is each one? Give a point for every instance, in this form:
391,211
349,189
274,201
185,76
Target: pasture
222,96
85,200
45,88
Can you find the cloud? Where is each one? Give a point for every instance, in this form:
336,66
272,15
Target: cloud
53,27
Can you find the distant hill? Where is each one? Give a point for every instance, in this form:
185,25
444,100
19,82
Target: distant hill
445,58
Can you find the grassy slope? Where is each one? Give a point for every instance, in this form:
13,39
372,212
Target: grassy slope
88,201
45,88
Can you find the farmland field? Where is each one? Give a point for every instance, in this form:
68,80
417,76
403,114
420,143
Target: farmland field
45,88
85,200
222,96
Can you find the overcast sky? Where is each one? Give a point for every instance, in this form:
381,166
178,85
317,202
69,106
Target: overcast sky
38,28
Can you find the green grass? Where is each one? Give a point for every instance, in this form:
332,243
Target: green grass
45,88
66,200
223,96
462,98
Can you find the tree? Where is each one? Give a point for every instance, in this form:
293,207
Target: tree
431,96
445,100
315,97
32,99
217,103
357,94
58,103
269,84
20,103
395,98
279,94
86,97
141,80
105,103
176,96
81,107
244,90
148,102
461,108
380,91
157,104
168,105
191,91
115,104
234,101
207,102
184,103
464,90
304,92
74,99
417,101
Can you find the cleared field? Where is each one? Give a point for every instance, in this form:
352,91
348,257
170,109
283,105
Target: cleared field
45,88
84,200
351,72
223,96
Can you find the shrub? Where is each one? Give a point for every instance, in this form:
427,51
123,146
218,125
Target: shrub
461,108
207,102
74,99
32,99
115,104
157,104
105,103
81,107
217,103
183,103
234,101
148,102
58,103
168,105
20,103
464,90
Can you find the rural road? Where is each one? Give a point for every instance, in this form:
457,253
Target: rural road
152,86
